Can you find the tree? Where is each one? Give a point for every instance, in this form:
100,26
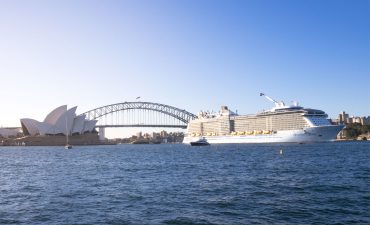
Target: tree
352,131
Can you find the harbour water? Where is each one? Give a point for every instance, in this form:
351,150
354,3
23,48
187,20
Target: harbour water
325,183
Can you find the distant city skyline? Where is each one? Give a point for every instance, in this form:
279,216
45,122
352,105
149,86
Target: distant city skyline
195,55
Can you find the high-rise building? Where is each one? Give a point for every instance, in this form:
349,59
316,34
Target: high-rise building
139,134
343,117
164,134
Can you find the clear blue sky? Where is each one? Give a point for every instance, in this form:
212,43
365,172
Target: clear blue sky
195,55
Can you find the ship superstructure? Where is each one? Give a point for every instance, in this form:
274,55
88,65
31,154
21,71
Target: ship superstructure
280,124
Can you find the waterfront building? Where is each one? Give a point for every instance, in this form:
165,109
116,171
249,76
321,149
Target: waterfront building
356,120
139,134
156,135
164,134
344,118
147,136
60,121
10,132
365,120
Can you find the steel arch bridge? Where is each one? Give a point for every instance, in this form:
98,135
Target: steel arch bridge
139,114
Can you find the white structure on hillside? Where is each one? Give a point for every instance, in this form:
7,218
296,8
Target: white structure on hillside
59,121
9,132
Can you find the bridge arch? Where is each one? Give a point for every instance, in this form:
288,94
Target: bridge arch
180,115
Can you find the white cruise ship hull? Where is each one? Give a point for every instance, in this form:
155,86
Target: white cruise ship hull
310,134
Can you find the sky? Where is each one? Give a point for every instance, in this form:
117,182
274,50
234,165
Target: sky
191,54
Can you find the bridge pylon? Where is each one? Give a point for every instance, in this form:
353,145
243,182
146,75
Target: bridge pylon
101,133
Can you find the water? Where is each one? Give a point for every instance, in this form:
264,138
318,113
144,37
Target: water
326,183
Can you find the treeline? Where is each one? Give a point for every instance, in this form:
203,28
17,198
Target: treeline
354,130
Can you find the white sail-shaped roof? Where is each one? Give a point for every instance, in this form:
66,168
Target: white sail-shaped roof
43,128
54,115
89,125
64,123
78,124
59,121
30,126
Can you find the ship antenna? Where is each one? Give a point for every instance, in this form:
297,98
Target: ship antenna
277,104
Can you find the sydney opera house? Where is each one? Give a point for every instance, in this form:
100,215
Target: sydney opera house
61,121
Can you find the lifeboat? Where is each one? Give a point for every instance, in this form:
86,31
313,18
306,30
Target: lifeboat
249,132
266,132
258,132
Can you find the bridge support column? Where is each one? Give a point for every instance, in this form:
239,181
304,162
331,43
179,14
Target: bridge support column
101,133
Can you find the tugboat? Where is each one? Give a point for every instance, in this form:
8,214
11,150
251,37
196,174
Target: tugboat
200,142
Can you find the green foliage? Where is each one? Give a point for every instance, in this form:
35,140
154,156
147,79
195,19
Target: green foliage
365,129
352,131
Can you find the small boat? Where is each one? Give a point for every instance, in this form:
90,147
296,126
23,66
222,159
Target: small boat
200,142
140,141
68,146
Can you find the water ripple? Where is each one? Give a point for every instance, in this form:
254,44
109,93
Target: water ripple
324,183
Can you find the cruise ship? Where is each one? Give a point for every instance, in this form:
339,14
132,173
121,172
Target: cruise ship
281,124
